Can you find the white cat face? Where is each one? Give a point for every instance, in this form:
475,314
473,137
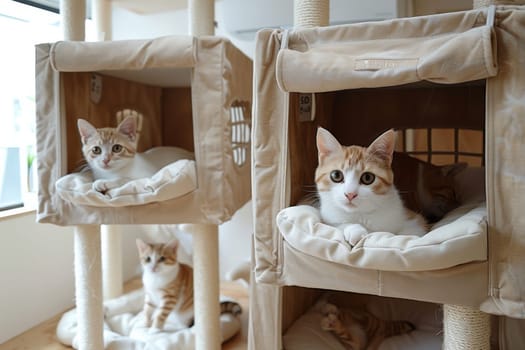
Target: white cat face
353,179
108,156
109,150
352,190
156,263
158,259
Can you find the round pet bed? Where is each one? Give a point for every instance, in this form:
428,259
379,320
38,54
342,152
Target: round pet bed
124,330
460,237
171,181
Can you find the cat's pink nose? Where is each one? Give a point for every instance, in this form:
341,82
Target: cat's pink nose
350,196
106,161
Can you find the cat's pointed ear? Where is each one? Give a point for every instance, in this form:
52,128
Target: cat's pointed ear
85,129
383,146
142,246
128,127
172,246
327,144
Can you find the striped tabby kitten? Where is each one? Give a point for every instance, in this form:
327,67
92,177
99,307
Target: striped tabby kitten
359,330
356,189
168,286
112,156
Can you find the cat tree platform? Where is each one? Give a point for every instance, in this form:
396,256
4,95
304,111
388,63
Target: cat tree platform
458,75
193,93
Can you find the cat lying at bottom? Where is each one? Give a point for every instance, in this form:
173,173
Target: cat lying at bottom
356,188
168,286
360,329
111,154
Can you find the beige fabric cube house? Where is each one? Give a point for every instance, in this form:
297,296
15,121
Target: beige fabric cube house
192,93
452,85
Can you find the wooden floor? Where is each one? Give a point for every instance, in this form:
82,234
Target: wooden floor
42,337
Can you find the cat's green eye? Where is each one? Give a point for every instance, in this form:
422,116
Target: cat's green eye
96,150
116,148
337,176
367,178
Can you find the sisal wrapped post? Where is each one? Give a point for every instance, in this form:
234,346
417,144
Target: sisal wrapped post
206,285
205,237
111,235
88,288
88,270
101,15
465,328
311,13
72,19
201,17
111,247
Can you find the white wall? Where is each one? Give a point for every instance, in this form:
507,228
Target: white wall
36,273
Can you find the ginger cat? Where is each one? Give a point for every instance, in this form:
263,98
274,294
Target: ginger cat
356,189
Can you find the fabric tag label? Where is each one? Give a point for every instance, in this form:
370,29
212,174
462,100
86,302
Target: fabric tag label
378,64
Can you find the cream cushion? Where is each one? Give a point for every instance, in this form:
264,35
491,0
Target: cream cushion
172,181
460,237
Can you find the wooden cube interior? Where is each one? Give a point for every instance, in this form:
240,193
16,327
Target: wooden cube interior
167,112
358,117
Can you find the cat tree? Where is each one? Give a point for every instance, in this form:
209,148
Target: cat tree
331,66
212,118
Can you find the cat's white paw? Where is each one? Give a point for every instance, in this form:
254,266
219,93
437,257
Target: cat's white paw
353,232
100,186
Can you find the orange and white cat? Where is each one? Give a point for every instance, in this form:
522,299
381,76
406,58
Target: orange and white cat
356,189
168,287
112,156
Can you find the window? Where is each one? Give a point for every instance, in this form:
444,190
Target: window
25,26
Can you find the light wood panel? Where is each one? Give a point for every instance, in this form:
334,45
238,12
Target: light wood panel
116,94
177,121
302,143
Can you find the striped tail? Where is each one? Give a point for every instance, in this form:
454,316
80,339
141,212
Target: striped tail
230,307
397,327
